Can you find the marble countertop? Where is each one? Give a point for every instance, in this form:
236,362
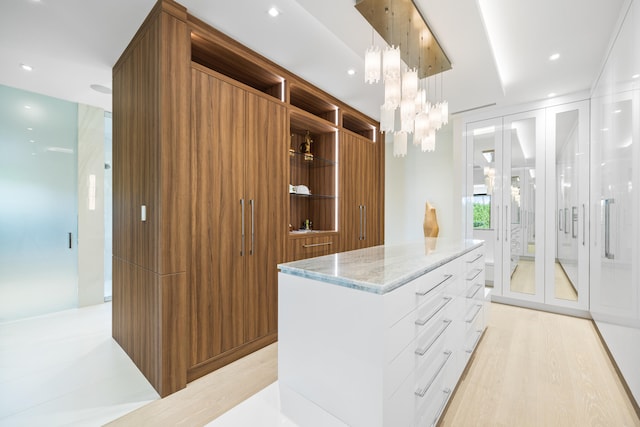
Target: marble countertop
380,269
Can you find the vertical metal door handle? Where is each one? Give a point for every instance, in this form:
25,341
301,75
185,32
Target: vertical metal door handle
364,229
607,228
506,223
70,240
252,203
498,223
360,230
241,227
584,221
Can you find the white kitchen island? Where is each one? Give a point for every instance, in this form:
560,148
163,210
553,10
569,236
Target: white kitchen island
380,336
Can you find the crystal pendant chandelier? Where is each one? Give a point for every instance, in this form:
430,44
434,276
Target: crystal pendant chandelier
409,109
372,65
400,144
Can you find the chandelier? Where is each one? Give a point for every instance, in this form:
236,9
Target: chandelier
405,70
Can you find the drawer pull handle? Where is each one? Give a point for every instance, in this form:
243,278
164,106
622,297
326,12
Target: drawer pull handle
313,245
474,273
423,350
422,322
477,287
475,342
475,259
422,391
446,278
446,393
471,318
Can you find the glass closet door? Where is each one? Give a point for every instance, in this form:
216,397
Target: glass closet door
567,213
523,202
484,183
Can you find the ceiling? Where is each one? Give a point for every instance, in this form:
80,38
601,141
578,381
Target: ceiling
499,49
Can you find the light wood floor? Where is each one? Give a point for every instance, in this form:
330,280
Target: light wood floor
208,397
523,280
530,369
540,369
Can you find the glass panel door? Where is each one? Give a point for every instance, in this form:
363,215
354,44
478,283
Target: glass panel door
524,229
567,186
38,196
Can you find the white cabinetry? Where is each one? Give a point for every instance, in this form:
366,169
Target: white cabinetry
382,359
615,202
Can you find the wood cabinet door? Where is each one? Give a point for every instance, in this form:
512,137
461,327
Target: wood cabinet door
359,192
370,192
267,195
216,264
350,205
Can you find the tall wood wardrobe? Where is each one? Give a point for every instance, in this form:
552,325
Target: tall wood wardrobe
206,146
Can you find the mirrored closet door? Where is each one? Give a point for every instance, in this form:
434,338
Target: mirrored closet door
523,202
529,203
567,215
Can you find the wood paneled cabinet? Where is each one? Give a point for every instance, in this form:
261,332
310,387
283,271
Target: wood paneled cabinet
238,224
360,200
202,131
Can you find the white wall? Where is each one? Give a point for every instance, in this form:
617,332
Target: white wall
412,180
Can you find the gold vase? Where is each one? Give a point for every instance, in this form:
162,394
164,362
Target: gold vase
430,224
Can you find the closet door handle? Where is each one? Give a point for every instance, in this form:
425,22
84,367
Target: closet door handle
70,240
253,238
607,229
364,229
498,223
506,223
241,227
584,221
360,230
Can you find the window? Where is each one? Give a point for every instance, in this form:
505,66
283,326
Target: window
482,211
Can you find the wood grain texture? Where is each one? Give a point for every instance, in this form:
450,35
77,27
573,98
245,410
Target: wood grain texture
360,192
309,247
151,152
174,149
267,158
216,266
539,369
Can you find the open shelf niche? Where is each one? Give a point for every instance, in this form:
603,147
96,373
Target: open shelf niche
317,172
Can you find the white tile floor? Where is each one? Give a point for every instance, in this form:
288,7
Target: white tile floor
276,406
65,369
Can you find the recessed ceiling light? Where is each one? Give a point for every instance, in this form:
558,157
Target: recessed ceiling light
617,111
28,107
26,67
551,95
274,12
101,89
554,57
31,140
351,71
29,128
635,76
